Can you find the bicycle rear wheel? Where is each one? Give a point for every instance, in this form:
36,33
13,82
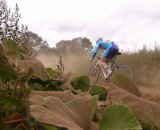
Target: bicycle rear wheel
126,70
93,75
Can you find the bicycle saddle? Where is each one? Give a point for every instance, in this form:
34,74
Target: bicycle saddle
119,53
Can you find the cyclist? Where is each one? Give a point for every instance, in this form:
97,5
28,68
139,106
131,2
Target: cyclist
110,49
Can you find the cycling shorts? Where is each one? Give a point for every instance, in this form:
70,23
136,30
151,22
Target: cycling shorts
111,52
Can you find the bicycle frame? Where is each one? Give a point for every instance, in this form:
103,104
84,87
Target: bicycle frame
113,62
95,70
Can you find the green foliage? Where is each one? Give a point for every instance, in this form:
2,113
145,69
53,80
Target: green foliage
100,91
36,83
119,117
29,42
9,28
12,45
49,127
75,46
32,43
7,73
94,101
10,101
13,93
81,82
53,74
35,86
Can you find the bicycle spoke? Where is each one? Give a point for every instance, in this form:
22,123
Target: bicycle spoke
126,70
94,75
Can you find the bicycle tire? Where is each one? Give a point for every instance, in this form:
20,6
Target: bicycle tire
93,74
122,68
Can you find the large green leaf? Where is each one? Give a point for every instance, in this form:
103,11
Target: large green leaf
36,83
100,91
52,73
94,101
125,83
65,110
35,86
119,117
49,127
81,82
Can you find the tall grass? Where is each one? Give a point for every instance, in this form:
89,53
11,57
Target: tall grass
146,65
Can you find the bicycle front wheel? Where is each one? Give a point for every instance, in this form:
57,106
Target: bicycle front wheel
93,75
126,70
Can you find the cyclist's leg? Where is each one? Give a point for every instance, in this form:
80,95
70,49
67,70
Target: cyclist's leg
104,59
103,64
108,55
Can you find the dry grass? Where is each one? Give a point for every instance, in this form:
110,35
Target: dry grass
145,64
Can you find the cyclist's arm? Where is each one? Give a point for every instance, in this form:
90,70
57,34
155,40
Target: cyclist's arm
105,53
94,51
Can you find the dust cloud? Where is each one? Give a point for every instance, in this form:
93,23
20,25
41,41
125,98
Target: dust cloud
75,64
147,76
80,65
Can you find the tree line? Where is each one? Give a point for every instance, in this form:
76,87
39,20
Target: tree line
31,43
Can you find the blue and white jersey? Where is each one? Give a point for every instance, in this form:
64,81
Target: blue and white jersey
103,45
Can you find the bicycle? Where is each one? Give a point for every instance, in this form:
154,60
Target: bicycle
94,71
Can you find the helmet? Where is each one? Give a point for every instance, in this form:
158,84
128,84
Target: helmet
99,39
